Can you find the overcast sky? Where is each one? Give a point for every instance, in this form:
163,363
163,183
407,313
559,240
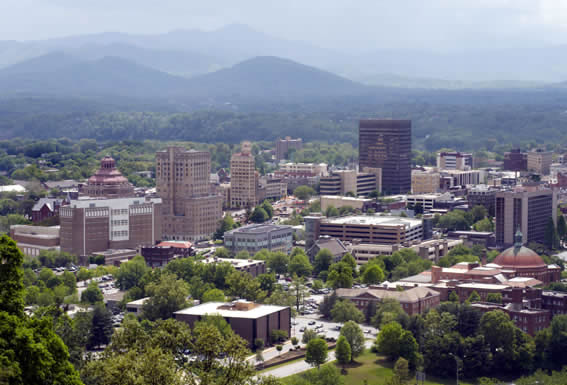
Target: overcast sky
341,24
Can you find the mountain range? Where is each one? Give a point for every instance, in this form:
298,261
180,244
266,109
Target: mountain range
189,53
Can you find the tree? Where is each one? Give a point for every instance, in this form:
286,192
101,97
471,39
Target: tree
130,273
388,340
294,341
478,213
484,224
308,335
353,334
327,305
213,295
316,353
401,371
299,290
101,330
494,297
243,254
242,285
340,275
303,192
167,295
344,310
342,353
92,294
277,335
372,275
474,297
323,261
11,283
259,215
83,274
331,212
454,297
279,348
222,252
278,262
299,265
267,206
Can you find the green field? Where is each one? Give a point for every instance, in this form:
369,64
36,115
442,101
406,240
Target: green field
376,371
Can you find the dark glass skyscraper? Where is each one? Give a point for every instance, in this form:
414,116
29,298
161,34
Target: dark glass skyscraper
386,144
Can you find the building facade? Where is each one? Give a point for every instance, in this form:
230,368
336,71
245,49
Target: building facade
515,160
95,225
250,266
253,238
32,240
386,144
527,210
284,145
540,161
483,195
343,182
243,178
249,320
425,182
190,210
454,161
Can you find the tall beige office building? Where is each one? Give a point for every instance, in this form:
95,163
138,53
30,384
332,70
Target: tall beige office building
243,178
190,211
540,161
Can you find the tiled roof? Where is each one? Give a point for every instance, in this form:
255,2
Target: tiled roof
410,295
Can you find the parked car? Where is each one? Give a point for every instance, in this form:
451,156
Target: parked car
311,323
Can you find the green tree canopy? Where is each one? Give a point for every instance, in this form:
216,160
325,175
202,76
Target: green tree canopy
344,310
316,352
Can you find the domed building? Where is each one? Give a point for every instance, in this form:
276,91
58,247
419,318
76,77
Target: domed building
526,263
108,182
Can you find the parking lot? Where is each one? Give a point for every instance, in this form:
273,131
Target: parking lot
327,328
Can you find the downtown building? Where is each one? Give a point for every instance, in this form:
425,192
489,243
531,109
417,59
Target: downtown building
190,210
89,226
283,146
386,144
243,178
527,209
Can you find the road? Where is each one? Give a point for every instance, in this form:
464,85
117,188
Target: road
301,366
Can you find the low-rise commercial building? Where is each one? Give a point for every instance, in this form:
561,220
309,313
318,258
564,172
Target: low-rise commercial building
342,182
417,300
166,251
247,319
338,201
454,161
250,266
365,228
256,237
425,182
32,240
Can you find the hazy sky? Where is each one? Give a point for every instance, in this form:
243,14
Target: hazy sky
344,24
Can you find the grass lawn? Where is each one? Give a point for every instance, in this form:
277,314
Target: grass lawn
376,371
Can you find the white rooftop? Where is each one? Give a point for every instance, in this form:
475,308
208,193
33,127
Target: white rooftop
376,220
138,302
212,308
13,188
233,261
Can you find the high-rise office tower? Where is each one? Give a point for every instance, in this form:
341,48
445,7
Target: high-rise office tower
284,145
189,210
243,178
526,209
386,144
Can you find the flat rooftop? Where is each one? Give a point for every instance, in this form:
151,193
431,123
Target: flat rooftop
375,220
234,262
220,308
258,229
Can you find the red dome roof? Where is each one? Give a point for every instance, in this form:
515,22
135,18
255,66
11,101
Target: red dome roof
518,257
107,174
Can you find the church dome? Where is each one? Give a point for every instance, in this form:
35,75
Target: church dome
519,256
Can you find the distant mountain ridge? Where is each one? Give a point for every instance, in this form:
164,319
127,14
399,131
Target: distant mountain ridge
194,52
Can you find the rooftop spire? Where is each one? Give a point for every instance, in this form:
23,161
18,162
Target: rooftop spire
518,239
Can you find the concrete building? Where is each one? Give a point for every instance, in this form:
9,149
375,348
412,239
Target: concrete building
338,201
417,300
190,210
284,145
515,160
250,266
426,201
483,195
95,225
136,306
386,144
243,178
454,161
107,182
526,209
302,169
425,182
464,178
256,237
342,182
540,161
270,188
365,228
247,319
32,240
115,257
432,249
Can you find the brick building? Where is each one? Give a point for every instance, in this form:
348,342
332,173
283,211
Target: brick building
284,145
417,300
247,319
32,240
95,225
515,160
46,208
190,210
166,251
